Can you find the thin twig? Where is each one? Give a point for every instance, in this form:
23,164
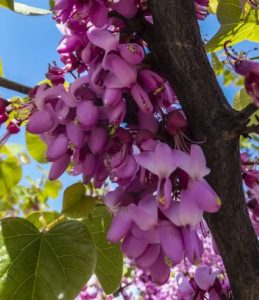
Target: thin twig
14,86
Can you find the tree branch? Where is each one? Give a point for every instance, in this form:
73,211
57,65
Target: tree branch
11,85
247,112
178,47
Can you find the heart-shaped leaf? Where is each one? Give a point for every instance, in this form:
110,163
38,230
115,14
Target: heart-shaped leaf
109,263
44,265
237,24
76,204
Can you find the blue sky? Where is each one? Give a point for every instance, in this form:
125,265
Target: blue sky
28,44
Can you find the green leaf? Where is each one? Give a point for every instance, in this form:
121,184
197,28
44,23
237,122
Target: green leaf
213,5
10,174
41,219
236,25
1,68
28,10
75,202
52,188
254,119
44,265
109,264
36,147
241,99
217,65
7,4
51,4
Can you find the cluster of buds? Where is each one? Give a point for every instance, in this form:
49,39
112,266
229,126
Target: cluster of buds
12,126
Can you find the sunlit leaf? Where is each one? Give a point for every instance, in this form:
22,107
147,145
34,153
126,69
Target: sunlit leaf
7,4
44,265
241,99
1,68
213,4
36,147
109,263
30,10
41,219
76,204
236,25
52,188
10,174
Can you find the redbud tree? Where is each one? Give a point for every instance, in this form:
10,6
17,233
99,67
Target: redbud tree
166,205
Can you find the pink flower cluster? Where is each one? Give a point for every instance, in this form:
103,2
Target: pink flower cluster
13,126
121,121
208,281
247,68
250,174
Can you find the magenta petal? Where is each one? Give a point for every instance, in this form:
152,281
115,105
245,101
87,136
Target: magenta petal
57,147
145,214
75,134
127,8
79,82
112,96
103,39
59,166
131,53
40,122
113,82
89,164
141,98
192,244
149,256
127,169
151,236
117,113
171,242
68,44
184,286
204,278
97,140
132,246
98,14
122,70
112,199
159,162
120,226
184,212
204,196
87,114
160,271
198,162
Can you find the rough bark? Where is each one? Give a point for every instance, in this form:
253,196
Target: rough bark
178,47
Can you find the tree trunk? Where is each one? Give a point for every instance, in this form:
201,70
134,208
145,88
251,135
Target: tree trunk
178,47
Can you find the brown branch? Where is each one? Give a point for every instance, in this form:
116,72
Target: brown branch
11,85
247,112
178,47
251,129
